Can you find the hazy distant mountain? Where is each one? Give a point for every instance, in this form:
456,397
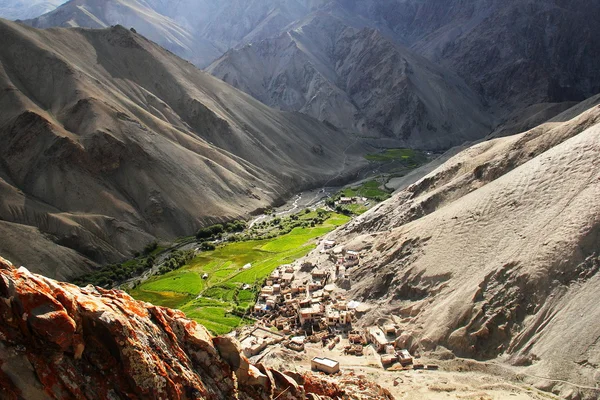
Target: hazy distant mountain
131,14
357,79
24,9
110,141
515,52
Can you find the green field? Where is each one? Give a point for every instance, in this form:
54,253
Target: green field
212,301
407,156
371,190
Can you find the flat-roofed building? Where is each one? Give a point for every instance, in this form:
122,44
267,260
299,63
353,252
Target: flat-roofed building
287,278
376,336
326,365
328,244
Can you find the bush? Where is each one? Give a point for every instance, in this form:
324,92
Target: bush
236,226
207,246
150,247
210,231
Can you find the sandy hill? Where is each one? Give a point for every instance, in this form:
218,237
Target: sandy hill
359,80
58,341
110,141
495,254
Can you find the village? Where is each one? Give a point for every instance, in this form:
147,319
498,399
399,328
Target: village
303,307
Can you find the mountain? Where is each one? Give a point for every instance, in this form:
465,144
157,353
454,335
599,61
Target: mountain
109,141
58,341
359,80
512,54
131,13
231,23
495,254
516,53
18,9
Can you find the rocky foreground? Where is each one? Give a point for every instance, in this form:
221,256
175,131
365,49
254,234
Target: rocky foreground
59,341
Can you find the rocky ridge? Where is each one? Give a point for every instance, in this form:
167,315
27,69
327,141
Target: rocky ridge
359,80
58,341
132,14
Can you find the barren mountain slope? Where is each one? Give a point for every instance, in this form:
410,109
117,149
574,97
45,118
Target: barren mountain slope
58,341
356,79
23,9
131,14
496,254
110,141
516,52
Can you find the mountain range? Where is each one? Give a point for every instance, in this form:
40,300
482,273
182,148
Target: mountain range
359,80
113,138
429,75
492,57
111,141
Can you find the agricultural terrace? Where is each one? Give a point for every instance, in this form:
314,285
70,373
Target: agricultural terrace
234,272
373,191
409,157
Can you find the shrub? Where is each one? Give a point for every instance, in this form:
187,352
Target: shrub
150,247
207,246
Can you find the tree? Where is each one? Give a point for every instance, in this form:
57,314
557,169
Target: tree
207,246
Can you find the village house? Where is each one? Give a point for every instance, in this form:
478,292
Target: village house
328,244
288,269
319,274
376,336
296,343
275,275
315,285
336,317
325,365
310,315
305,302
355,337
298,287
388,359
267,291
260,308
271,302
347,200
352,258
404,357
287,278
390,330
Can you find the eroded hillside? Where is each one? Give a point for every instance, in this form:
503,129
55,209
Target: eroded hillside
357,79
495,254
111,141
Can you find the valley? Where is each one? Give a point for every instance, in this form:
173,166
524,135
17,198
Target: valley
299,199
218,287
234,274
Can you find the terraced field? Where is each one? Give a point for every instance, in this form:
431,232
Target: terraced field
235,272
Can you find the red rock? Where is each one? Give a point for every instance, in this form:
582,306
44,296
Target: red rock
90,343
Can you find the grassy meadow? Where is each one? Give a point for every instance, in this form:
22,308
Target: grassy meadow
220,301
